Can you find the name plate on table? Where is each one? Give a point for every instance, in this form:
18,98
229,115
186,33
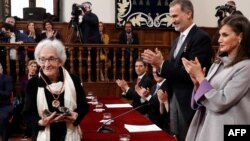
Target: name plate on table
142,128
125,105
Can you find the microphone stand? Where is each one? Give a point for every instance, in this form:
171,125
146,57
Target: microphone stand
104,129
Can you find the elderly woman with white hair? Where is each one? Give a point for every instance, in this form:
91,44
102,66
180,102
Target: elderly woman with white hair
55,101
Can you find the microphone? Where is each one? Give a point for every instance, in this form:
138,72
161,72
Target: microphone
104,129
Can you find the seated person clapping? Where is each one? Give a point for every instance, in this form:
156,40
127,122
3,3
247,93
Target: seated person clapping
157,116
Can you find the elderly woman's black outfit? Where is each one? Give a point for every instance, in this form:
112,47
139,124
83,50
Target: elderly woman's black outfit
58,130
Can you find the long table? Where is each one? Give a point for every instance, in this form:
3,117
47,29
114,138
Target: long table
91,123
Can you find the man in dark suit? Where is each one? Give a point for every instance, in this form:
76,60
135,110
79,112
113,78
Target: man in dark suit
143,80
6,108
161,119
128,37
192,43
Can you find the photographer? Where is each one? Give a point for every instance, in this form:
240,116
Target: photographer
226,10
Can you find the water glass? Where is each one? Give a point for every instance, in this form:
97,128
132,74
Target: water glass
124,137
99,107
94,100
106,117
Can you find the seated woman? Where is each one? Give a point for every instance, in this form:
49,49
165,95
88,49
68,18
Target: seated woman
35,34
49,32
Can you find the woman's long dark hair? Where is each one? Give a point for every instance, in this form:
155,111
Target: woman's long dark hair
240,25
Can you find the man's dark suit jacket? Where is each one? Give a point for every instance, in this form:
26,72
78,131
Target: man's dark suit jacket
145,82
90,29
6,108
123,38
197,44
153,109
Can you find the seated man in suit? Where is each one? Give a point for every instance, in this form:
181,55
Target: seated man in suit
143,80
6,108
157,116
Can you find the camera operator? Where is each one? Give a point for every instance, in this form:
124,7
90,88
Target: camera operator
89,25
90,33
226,10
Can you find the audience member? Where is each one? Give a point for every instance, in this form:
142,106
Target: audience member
104,40
191,43
104,37
161,119
16,38
129,37
143,81
89,28
55,101
11,20
6,108
49,31
32,70
222,97
33,33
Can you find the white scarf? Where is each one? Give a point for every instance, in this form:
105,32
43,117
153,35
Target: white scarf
69,101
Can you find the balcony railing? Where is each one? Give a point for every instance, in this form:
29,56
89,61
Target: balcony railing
81,58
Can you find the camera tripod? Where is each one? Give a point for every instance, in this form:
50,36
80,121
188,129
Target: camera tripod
74,29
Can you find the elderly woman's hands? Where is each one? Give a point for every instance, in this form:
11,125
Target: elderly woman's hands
47,119
71,118
193,68
54,117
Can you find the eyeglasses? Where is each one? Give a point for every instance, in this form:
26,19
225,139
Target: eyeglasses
51,60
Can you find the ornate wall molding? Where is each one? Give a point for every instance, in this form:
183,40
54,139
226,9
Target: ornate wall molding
143,13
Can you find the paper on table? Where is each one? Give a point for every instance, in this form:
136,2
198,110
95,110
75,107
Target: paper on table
125,105
142,128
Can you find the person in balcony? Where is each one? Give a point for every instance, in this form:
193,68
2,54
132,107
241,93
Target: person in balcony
16,38
55,100
6,108
90,35
49,32
35,34
128,37
104,40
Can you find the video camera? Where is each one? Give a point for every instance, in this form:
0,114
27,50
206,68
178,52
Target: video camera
221,10
76,10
